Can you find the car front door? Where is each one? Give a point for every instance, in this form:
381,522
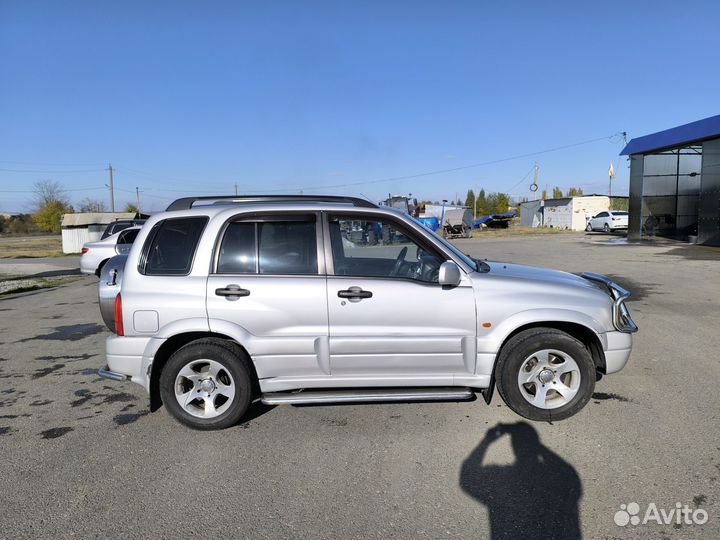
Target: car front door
388,315
268,287
599,221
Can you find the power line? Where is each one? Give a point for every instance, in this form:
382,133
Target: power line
48,171
34,191
454,169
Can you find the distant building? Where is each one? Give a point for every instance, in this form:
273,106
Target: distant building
567,213
675,183
78,229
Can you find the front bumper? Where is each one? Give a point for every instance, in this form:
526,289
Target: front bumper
617,354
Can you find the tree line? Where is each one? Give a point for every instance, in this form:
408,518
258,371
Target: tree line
485,205
49,203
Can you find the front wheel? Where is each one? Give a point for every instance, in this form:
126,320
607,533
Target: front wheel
545,374
206,384
589,228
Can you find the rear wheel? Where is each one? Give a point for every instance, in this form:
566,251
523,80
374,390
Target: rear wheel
545,374
206,384
606,228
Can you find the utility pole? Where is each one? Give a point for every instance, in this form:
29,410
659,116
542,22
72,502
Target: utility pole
112,189
236,189
137,196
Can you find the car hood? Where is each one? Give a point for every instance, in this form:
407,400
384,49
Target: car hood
532,273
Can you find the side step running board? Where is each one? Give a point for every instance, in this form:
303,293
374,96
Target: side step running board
366,396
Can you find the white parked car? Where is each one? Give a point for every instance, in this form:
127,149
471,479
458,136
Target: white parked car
96,254
608,221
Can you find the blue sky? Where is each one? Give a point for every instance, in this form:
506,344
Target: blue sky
192,97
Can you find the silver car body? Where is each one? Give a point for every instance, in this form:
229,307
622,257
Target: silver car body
95,253
300,334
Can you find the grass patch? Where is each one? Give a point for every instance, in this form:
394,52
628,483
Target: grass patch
26,247
34,284
520,231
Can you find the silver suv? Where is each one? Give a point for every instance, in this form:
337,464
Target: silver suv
304,299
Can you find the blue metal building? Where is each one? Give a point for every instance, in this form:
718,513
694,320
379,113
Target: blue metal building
675,183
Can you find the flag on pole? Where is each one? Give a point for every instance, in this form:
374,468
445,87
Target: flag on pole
611,172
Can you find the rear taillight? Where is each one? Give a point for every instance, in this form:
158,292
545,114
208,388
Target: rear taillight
615,218
85,250
119,330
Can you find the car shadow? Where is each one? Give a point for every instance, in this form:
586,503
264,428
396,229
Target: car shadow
536,497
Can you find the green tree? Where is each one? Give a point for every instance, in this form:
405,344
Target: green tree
544,194
557,193
503,203
20,224
130,207
481,203
574,192
51,202
49,217
470,199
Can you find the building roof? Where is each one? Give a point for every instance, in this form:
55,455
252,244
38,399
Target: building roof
708,128
94,218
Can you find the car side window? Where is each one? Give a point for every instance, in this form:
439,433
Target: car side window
128,237
379,248
269,247
171,245
602,214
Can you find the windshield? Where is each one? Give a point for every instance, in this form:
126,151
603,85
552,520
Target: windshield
467,260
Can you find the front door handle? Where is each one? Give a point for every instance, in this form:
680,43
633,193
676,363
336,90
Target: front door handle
232,292
355,294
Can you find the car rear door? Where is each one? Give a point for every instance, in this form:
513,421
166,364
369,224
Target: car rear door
388,315
268,284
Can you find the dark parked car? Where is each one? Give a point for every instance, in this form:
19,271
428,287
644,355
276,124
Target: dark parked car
120,225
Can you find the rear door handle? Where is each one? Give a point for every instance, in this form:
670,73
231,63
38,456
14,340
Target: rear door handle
232,292
355,293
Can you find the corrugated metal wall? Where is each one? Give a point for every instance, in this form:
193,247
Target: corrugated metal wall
73,239
709,207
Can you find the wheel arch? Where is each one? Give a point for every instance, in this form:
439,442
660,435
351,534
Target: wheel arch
582,333
177,341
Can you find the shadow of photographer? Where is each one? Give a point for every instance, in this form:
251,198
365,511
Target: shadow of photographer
536,497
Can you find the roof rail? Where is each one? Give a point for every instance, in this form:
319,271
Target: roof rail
187,202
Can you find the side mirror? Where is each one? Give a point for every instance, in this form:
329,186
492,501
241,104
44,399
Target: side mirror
449,274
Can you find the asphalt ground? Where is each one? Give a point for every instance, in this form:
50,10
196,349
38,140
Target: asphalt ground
83,457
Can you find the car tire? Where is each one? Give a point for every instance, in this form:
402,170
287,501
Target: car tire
207,384
606,228
522,359
589,228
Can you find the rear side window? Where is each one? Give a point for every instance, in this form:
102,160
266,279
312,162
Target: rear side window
171,246
128,237
269,247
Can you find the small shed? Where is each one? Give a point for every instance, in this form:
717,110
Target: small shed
77,229
568,213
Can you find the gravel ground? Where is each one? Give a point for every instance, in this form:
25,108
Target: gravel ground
82,456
